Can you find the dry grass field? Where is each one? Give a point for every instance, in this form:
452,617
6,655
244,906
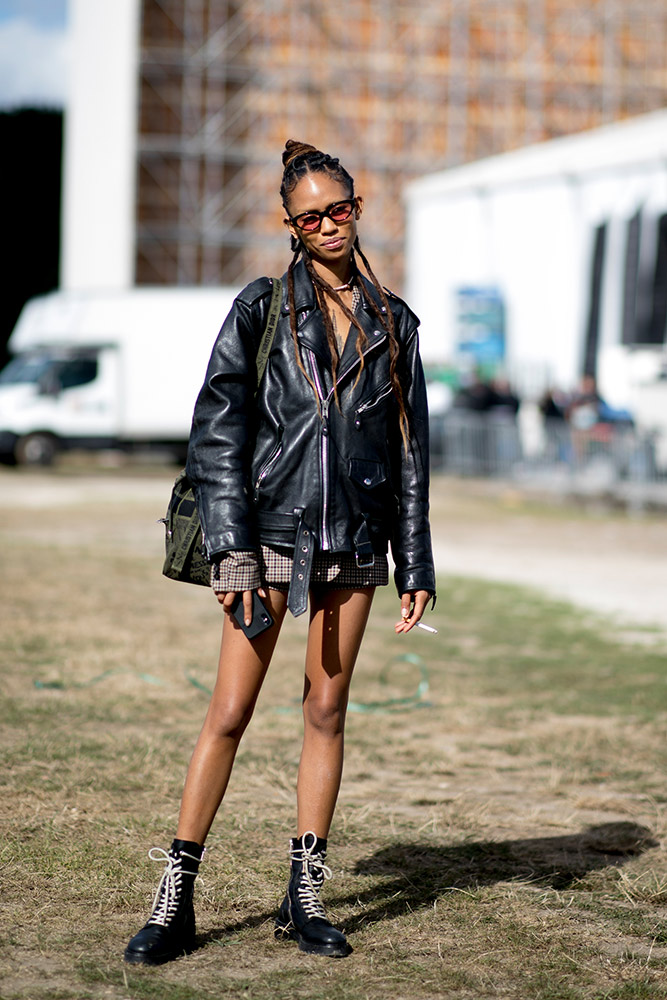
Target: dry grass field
500,824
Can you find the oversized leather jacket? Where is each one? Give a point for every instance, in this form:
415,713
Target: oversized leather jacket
267,467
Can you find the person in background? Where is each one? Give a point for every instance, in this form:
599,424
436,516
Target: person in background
583,408
553,407
503,399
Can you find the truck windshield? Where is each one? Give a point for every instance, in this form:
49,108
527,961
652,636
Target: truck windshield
26,370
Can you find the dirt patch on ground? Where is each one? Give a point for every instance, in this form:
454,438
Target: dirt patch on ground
614,564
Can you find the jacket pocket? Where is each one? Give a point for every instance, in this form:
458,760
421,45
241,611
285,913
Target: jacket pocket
367,473
370,402
269,462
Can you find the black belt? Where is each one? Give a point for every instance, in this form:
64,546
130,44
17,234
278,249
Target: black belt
297,596
302,563
363,550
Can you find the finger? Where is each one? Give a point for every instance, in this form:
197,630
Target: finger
406,600
421,599
247,606
228,601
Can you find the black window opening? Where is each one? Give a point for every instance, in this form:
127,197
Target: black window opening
644,314
657,325
595,301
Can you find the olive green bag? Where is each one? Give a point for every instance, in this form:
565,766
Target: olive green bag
185,558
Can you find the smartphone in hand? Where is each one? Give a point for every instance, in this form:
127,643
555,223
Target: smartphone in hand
261,619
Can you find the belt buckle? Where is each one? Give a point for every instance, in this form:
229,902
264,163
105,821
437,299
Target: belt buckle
364,562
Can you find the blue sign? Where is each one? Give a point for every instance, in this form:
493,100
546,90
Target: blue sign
480,324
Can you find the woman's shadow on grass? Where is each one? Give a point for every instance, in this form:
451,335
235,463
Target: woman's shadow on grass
413,875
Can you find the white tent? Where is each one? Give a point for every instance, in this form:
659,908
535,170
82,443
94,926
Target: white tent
532,225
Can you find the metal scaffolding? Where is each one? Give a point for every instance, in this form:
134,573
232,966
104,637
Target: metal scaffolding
396,88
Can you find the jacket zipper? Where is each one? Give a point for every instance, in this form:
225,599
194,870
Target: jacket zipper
374,400
265,469
325,540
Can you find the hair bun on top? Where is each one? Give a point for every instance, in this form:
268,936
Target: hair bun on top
293,149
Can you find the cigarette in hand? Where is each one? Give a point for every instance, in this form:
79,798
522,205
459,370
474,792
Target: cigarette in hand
427,628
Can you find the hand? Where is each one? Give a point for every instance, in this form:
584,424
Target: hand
413,605
228,599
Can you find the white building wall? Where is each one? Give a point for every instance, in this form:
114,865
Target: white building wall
525,222
98,221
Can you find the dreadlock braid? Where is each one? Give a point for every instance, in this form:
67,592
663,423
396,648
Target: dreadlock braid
386,318
323,288
292,319
300,159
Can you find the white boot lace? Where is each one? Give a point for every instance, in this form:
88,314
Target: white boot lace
168,894
313,874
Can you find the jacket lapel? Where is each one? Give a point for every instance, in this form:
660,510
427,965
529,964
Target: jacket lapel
310,325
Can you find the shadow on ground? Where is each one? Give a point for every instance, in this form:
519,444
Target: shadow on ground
414,875
418,874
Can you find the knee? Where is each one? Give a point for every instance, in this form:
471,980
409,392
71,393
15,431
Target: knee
324,715
228,721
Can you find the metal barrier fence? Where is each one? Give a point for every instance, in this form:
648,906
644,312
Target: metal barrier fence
485,444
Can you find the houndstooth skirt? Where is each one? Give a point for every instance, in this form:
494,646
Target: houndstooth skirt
272,567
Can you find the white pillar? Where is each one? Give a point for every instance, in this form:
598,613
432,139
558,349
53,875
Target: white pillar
98,216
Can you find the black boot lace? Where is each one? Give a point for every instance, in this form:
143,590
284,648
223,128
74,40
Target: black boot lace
169,891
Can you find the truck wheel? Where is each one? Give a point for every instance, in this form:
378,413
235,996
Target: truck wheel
36,449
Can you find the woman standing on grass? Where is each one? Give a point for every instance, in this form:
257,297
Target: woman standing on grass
300,490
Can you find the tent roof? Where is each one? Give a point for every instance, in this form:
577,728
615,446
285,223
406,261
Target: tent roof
624,144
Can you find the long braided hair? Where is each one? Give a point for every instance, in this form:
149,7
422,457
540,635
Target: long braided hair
300,159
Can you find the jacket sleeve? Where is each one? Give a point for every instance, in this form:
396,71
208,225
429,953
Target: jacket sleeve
219,449
411,534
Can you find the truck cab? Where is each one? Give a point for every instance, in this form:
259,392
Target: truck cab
52,399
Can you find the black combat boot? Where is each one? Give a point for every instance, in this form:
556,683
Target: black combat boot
170,929
301,916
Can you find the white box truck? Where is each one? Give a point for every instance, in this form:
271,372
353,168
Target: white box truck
107,370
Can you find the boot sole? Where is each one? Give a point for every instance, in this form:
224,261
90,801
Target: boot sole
330,950
283,932
143,958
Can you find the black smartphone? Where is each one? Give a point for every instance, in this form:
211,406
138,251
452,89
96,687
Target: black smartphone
261,619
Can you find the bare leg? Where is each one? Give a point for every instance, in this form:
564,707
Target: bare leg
337,623
241,671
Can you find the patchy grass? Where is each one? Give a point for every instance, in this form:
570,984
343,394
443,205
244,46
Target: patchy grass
498,828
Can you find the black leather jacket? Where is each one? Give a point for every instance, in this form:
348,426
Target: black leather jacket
265,466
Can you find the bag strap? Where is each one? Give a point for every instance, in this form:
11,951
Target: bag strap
270,328
188,536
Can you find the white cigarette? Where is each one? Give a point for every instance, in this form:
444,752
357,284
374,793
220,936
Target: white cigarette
427,628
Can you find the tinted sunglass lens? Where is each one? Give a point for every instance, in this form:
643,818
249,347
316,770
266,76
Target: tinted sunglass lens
309,222
339,213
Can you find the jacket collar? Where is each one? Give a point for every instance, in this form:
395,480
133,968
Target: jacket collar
305,299
310,325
